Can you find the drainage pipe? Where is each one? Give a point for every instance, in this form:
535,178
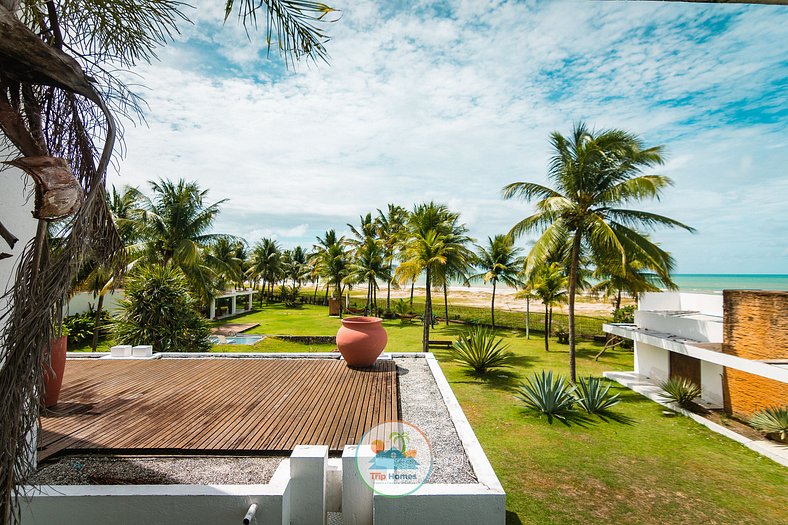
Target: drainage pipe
250,514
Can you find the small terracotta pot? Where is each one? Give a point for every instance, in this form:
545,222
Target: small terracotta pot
361,340
53,379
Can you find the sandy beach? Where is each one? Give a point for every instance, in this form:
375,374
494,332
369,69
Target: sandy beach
504,300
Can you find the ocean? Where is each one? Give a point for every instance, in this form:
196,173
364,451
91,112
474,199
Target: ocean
692,282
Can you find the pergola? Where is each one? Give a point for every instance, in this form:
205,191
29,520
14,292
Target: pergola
233,296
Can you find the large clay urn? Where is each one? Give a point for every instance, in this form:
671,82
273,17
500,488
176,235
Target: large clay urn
53,379
361,340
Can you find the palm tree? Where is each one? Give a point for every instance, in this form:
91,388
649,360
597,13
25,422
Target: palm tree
225,251
176,227
320,253
595,175
390,226
633,279
459,261
549,285
335,267
433,238
368,266
265,265
499,261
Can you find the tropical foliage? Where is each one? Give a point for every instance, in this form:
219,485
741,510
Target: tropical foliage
593,395
158,310
480,349
499,261
548,284
595,176
772,420
548,395
680,390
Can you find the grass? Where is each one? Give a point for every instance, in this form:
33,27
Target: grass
640,468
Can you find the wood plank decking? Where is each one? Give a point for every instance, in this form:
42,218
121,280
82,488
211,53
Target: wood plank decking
216,405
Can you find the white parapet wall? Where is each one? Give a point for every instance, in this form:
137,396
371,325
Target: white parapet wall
85,301
710,304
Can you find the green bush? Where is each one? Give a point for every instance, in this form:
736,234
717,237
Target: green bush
772,420
547,395
159,311
80,327
625,314
481,350
679,390
594,396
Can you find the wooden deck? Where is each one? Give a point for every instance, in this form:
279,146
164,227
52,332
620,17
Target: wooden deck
216,405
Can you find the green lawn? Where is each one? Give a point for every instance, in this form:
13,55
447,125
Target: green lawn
646,469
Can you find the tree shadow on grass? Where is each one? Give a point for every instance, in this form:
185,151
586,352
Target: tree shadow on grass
506,378
512,518
608,415
569,419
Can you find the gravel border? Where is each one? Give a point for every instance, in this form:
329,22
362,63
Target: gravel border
422,405
157,470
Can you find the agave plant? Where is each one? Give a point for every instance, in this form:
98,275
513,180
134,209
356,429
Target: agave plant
772,420
547,395
594,396
481,350
680,390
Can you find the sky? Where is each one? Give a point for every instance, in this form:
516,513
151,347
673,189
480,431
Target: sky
450,101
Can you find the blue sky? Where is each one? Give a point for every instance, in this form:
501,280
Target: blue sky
450,101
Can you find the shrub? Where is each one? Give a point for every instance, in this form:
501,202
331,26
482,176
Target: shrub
481,350
680,390
547,395
772,420
80,326
159,311
594,396
625,314
562,333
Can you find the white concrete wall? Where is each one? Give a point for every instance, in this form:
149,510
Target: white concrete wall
81,302
702,330
711,383
16,205
652,361
710,304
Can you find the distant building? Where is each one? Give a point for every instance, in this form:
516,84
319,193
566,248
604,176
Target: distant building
734,345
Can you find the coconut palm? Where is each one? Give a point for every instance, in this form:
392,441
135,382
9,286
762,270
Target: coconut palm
265,265
633,279
433,238
225,251
335,268
595,176
459,260
320,256
367,267
390,225
549,286
500,261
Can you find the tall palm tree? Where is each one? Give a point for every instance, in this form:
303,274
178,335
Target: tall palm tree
433,238
225,250
390,225
367,267
595,176
549,285
634,278
335,267
459,261
320,255
265,265
499,261
177,228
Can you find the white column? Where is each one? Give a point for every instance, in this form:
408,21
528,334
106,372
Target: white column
232,306
356,494
308,485
212,308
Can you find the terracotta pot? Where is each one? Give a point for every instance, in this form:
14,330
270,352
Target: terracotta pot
361,340
53,379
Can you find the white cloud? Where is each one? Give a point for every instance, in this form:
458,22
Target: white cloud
415,108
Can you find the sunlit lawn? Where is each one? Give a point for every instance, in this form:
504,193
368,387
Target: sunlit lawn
646,469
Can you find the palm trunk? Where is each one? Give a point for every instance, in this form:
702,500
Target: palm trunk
314,296
341,293
572,290
446,302
546,328
97,322
388,292
527,317
492,306
425,341
325,299
618,300
412,286
551,321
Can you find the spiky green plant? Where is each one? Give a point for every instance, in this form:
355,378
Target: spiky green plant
679,390
481,350
547,395
158,310
594,396
772,420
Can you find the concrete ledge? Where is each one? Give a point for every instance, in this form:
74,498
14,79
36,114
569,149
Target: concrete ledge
643,386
